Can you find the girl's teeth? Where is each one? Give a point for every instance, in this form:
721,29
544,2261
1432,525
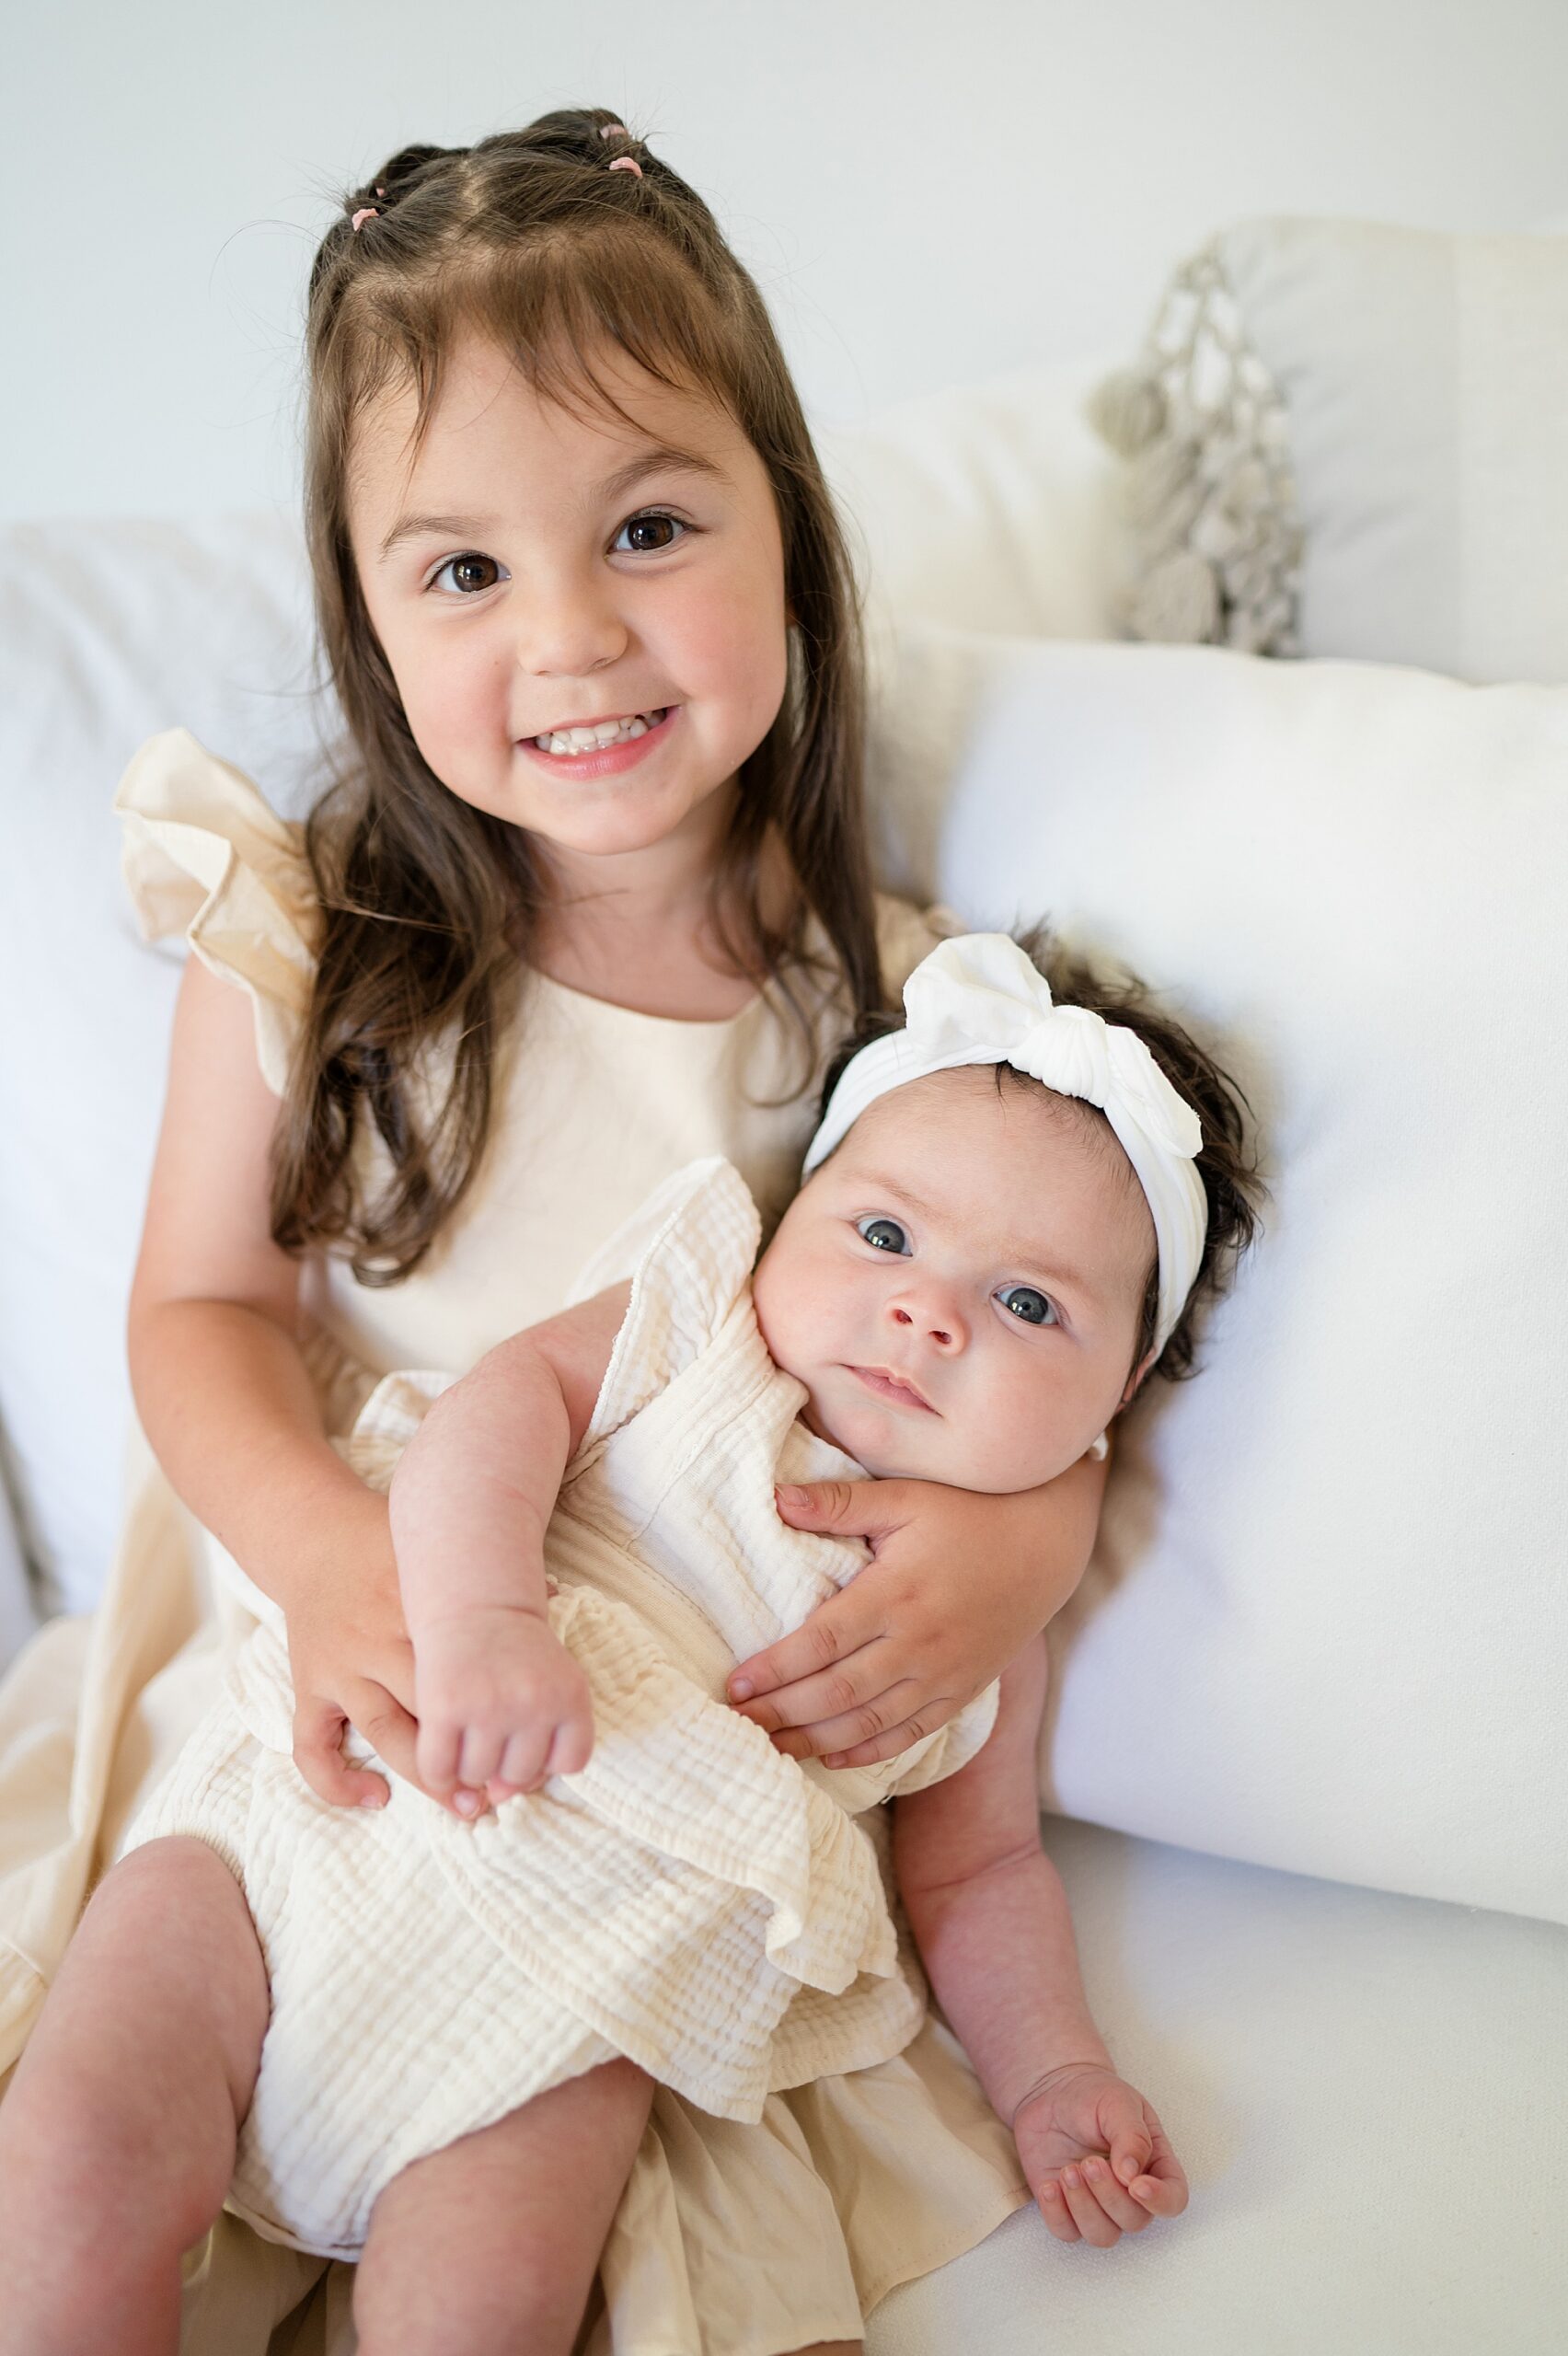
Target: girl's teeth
609,731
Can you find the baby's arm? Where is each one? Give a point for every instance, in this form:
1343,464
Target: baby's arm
500,1703
990,1918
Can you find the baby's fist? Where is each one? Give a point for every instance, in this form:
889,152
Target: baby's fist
502,1707
1098,2161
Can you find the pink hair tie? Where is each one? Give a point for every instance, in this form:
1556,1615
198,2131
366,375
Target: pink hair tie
608,129
365,213
626,164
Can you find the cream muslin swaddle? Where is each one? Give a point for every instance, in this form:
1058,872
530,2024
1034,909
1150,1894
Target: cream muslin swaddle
721,1914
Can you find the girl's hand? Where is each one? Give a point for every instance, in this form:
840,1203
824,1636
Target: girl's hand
1096,2157
958,1584
501,1705
351,1661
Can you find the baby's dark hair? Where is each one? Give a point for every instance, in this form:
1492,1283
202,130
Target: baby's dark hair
1226,1163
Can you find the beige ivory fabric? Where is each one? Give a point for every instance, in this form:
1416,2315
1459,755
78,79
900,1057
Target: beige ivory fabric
880,2174
691,1899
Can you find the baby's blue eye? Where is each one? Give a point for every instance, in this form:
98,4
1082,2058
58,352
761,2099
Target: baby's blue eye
886,1233
639,523
468,563
1030,1308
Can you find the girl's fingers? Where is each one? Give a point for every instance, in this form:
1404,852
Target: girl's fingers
834,1631
934,1713
341,1782
1087,2214
815,1673
387,1727
813,1735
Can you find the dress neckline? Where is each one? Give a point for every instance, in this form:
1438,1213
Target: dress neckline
608,1006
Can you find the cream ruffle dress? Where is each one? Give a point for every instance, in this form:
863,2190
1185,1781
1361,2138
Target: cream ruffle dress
734,2236
691,1899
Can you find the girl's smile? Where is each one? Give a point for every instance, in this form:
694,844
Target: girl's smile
532,568
626,749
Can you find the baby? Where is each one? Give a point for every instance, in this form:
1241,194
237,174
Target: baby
1006,1212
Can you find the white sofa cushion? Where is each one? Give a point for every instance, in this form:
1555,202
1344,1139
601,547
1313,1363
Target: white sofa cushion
111,631
1326,1625
1367,2093
987,507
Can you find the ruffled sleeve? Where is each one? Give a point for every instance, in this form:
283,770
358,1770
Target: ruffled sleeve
689,1251
205,856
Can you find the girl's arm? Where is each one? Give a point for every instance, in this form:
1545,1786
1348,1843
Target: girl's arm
501,1704
229,1409
888,1660
991,1920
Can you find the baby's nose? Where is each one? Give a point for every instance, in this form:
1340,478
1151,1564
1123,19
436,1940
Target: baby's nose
936,1321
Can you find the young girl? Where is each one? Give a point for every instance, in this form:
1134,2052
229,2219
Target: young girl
588,900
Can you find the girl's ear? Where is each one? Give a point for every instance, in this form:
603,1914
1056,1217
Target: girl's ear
1135,1381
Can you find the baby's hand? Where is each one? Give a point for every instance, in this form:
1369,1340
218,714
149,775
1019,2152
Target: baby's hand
1096,2157
500,1705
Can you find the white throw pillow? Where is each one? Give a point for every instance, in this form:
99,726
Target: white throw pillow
986,507
1350,439
1326,1627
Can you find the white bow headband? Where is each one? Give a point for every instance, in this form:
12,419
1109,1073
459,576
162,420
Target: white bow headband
979,1000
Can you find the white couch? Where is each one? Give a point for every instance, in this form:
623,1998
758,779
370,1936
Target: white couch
1366,2088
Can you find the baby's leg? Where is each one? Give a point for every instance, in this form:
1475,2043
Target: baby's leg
117,2137
490,2245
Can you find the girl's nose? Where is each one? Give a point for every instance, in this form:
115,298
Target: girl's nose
567,630
934,1318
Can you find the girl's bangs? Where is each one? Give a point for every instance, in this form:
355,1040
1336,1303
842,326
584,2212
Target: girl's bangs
560,311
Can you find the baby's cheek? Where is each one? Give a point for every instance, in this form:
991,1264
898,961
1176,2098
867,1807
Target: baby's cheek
1020,1439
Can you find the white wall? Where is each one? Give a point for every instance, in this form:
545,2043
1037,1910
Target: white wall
927,191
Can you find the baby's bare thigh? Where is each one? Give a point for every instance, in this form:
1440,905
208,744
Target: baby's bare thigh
164,1980
499,2234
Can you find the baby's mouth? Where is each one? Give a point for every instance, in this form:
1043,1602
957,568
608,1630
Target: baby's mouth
894,1387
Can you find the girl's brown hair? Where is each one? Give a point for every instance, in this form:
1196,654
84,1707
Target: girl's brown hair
532,241
1226,1163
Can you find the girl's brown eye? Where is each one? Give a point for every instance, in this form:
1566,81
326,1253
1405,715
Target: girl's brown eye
647,522
463,568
